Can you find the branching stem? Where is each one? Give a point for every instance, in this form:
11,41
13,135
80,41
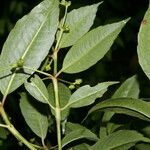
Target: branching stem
12,129
55,82
38,71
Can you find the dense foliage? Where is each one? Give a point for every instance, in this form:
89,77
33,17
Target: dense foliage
75,75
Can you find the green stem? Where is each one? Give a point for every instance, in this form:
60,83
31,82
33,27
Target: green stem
64,81
55,82
38,147
45,63
12,129
57,113
3,126
55,62
59,73
8,88
65,107
46,78
38,71
61,30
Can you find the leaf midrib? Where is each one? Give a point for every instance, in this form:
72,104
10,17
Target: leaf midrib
86,96
79,58
36,34
46,100
66,37
128,142
139,112
40,127
27,49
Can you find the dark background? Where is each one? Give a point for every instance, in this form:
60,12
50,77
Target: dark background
121,61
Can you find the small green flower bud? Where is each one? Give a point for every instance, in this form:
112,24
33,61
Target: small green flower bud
68,3
65,3
20,144
20,63
78,81
66,28
32,140
47,68
71,87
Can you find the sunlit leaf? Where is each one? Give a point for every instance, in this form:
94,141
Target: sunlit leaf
91,47
79,22
37,89
30,40
86,95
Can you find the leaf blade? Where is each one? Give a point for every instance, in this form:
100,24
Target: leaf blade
37,89
35,30
37,121
118,139
143,44
133,107
129,88
64,95
86,95
79,132
91,48
79,22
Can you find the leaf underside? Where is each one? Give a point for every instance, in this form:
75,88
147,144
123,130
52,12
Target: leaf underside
30,40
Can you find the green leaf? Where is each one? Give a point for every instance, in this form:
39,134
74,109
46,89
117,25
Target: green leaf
86,95
79,132
37,89
119,139
3,132
129,88
34,117
144,44
91,48
146,131
143,146
133,107
125,147
82,146
112,127
64,95
30,40
79,22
